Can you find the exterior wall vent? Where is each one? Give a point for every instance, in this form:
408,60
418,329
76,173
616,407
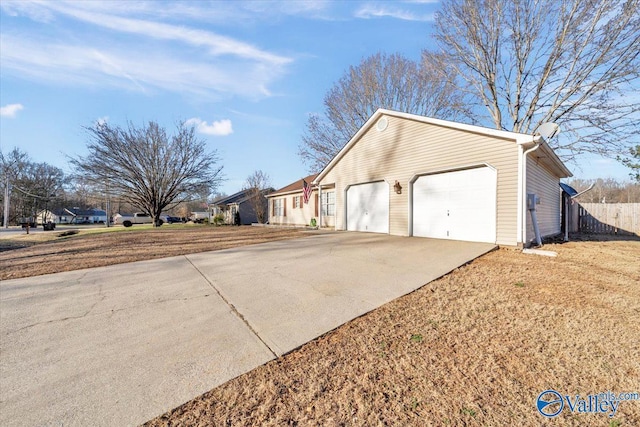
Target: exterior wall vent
382,124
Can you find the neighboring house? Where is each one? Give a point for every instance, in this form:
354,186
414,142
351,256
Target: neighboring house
199,216
411,175
46,215
240,202
287,205
73,216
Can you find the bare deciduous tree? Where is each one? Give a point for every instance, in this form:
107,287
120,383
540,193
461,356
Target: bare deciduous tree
607,190
573,62
11,166
148,168
28,186
379,81
257,185
633,163
45,181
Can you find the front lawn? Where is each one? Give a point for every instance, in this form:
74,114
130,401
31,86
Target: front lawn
475,347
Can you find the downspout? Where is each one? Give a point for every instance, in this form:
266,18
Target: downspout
567,215
533,200
538,141
320,206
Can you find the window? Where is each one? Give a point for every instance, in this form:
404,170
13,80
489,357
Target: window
329,203
296,202
278,207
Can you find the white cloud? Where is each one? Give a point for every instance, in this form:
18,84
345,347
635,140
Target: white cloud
217,128
312,9
31,10
10,110
135,68
217,44
135,52
369,11
220,12
102,120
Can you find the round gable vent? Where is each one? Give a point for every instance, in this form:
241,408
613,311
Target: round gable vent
382,124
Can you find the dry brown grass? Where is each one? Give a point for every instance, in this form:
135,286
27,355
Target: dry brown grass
54,252
475,347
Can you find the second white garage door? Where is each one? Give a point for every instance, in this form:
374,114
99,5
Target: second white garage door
459,205
368,207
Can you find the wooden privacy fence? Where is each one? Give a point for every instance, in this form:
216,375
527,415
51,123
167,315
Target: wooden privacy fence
606,218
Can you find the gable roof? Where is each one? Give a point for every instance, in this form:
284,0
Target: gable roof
294,187
518,138
234,198
79,212
239,197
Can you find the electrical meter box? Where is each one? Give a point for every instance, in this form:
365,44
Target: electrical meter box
532,201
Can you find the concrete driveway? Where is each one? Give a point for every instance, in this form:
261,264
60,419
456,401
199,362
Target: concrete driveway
119,345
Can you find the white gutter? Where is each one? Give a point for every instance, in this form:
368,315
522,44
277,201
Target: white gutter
538,141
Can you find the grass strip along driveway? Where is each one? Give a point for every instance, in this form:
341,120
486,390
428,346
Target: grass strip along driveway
475,347
58,251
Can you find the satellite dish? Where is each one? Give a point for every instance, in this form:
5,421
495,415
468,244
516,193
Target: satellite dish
548,130
568,189
572,192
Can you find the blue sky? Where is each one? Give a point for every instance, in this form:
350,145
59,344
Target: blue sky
247,74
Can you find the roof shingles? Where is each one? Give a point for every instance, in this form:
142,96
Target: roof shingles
294,186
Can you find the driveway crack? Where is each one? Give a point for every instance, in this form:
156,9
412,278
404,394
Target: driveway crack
234,310
108,312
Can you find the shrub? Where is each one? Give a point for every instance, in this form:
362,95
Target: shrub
218,219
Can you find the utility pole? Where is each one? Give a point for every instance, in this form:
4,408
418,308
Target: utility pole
6,202
108,194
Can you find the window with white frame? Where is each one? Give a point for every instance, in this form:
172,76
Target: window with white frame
296,202
329,203
278,207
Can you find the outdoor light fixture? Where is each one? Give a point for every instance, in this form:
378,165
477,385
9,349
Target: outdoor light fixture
397,187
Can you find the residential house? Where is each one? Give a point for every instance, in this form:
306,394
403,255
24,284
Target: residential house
73,216
410,175
289,206
240,202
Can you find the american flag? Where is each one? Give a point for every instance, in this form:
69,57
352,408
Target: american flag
306,191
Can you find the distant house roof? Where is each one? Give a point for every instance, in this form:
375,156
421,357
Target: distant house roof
294,187
234,198
80,212
239,197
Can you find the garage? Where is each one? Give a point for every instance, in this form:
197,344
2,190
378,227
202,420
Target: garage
368,207
457,205
410,175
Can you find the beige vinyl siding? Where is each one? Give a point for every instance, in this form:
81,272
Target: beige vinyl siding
408,148
328,221
298,216
543,183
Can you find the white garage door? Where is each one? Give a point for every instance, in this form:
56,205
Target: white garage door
368,207
458,205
